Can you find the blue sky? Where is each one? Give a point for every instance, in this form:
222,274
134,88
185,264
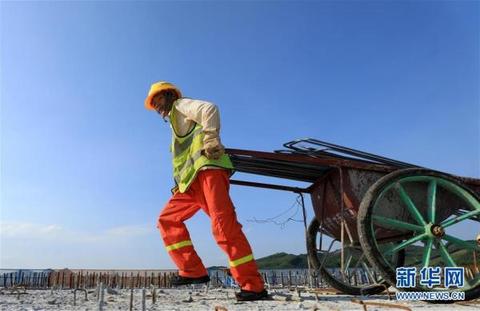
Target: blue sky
85,169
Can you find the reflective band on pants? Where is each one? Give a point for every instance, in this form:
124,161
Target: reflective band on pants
209,192
179,245
238,262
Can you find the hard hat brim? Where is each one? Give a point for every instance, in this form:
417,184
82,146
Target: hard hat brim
148,100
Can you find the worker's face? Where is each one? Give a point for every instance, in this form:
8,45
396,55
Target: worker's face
159,103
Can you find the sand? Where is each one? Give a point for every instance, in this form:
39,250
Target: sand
201,298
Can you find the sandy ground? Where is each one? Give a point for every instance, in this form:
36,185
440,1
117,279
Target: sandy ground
201,298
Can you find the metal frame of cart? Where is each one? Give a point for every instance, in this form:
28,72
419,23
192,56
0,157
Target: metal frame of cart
378,213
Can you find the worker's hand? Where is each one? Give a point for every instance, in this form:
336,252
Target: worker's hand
174,190
213,149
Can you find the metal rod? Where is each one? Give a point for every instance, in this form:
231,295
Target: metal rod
304,212
342,228
268,186
349,234
322,217
350,151
475,261
380,304
131,300
328,252
324,162
100,296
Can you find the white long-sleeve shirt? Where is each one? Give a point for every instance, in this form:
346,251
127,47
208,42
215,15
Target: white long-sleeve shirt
196,111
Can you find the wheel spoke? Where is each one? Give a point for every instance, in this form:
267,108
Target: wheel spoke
463,244
447,259
406,243
397,224
369,273
410,205
452,221
427,253
349,260
359,261
432,196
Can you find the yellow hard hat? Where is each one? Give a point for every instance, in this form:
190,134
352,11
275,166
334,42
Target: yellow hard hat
157,88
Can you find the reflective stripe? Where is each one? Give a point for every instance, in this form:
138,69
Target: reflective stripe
180,146
240,261
179,245
189,163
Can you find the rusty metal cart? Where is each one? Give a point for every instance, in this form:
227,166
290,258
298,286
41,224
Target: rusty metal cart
374,214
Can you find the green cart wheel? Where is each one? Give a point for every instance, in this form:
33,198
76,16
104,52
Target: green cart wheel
357,276
433,217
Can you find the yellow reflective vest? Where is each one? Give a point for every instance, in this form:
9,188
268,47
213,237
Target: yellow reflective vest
188,157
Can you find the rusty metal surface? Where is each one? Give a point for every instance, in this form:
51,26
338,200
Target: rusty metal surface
327,204
336,197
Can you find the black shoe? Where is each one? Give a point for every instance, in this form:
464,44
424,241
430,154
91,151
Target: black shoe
179,280
246,295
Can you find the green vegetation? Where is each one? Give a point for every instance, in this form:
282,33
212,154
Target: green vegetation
283,261
413,256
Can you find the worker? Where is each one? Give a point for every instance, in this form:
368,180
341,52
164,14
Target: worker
201,171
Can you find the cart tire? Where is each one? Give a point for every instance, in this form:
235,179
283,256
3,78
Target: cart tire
329,278
384,188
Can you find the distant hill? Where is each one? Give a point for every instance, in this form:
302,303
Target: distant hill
217,268
414,255
283,261
277,261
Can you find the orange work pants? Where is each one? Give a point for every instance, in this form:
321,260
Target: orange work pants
209,192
